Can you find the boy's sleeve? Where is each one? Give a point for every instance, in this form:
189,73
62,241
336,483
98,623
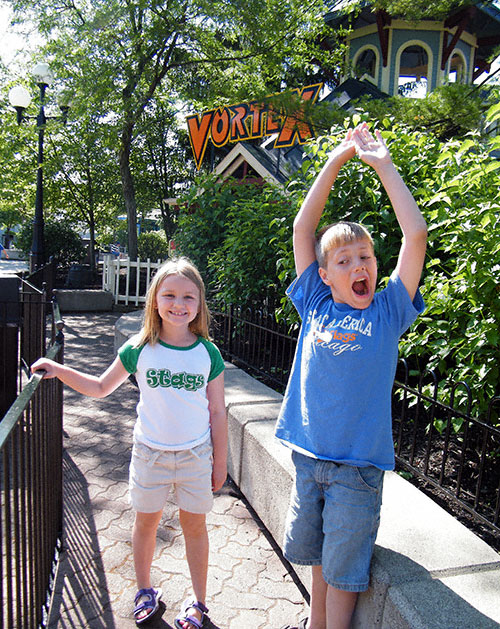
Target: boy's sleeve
306,288
403,311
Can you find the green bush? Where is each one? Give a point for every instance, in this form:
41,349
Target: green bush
61,242
152,246
214,232
459,334
241,238
245,265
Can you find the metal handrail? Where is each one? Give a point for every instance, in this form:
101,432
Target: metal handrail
31,482
18,407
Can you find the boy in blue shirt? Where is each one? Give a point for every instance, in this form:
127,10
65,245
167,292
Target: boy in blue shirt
336,413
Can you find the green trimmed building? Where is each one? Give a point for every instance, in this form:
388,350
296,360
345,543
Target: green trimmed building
400,56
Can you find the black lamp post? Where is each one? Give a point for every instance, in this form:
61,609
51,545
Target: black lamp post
20,99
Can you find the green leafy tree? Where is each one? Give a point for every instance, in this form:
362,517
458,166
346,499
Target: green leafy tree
163,163
80,176
61,242
420,9
449,111
120,52
153,246
17,167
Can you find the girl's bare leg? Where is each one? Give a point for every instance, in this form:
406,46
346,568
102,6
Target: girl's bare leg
194,528
143,545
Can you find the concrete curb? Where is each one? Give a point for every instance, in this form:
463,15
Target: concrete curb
428,571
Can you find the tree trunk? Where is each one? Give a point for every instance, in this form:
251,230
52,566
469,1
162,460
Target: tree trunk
93,267
128,189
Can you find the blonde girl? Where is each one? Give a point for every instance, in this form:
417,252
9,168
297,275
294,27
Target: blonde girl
180,436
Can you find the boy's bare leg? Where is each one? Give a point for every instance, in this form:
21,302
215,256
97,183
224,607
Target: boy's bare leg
330,608
340,606
317,611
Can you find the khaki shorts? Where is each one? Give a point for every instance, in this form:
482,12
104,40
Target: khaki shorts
154,474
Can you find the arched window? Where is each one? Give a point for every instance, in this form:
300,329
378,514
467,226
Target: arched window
458,68
366,62
414,70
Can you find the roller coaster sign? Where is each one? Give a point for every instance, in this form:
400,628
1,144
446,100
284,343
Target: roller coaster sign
248,121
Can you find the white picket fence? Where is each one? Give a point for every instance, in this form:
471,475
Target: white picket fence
114,268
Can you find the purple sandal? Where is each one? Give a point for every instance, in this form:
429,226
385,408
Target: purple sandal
183,615
151,602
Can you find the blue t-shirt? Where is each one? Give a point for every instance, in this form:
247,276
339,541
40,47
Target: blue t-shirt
337,405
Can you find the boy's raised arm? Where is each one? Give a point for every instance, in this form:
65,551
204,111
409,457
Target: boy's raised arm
412,253
309,215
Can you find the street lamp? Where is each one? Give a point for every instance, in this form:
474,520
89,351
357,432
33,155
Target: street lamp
20,99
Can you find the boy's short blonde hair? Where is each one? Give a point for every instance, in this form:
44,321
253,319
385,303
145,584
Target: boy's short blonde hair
337,234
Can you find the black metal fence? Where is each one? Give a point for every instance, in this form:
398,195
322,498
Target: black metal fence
444,446
31,474
447,447
253,340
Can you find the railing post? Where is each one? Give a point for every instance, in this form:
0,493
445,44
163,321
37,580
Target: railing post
10,317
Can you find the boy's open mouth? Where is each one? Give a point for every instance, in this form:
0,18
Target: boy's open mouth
360,287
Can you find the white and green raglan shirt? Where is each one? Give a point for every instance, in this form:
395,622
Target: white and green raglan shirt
172,413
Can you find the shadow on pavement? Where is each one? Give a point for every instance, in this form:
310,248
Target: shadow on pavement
80,596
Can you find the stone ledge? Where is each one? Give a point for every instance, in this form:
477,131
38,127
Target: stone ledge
428,570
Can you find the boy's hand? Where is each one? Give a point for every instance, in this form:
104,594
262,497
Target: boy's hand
344,151
370,150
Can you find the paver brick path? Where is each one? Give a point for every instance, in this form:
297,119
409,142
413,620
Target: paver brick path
248,585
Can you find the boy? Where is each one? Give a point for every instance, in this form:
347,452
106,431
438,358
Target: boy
336,413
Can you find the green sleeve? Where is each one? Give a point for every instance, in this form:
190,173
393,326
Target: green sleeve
129,355
216,360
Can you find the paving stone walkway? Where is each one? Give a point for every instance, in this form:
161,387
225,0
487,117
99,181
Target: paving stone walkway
249,587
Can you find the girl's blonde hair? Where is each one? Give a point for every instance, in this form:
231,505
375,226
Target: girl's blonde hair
151,328
338,234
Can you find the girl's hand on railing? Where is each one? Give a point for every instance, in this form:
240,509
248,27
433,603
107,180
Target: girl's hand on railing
48,366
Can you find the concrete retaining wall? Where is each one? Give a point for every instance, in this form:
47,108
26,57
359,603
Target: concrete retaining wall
84,300
428,570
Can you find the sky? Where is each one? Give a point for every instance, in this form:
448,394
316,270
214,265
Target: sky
15,42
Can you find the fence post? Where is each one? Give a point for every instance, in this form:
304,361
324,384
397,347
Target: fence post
230,331
10,317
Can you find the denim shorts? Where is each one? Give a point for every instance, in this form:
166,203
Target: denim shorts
154,474
333,520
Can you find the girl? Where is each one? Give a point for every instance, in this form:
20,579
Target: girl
180,437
